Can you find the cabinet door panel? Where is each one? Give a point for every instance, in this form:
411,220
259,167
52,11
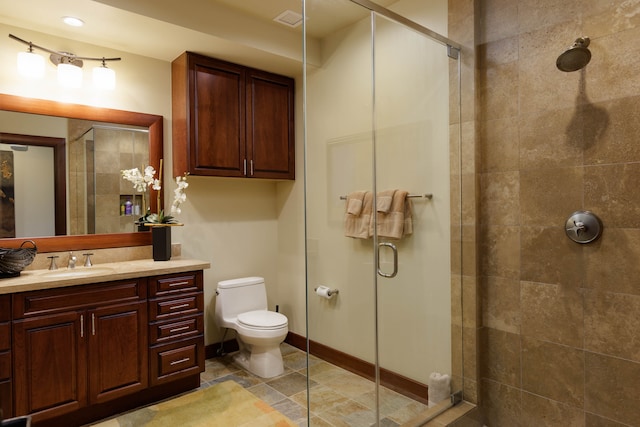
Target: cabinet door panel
117,351
270,133
5,308
5,365
5,336
5,399
49,365
218,120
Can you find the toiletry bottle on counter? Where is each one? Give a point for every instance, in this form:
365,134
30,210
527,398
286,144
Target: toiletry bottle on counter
127,207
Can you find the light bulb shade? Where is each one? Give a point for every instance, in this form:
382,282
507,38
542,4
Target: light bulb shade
30,65
104,78
69,76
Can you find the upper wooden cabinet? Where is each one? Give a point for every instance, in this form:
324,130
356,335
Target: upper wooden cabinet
230,120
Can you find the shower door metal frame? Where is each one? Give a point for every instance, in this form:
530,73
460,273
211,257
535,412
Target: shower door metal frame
453,46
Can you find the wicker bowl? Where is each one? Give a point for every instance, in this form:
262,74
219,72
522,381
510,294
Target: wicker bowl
13,261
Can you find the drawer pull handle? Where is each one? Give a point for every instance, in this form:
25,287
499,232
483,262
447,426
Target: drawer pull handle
177,362
176,307
81,326
178,284
178,329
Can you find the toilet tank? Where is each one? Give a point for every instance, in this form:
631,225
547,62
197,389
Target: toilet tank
239,296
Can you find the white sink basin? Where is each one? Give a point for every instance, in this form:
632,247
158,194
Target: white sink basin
78,272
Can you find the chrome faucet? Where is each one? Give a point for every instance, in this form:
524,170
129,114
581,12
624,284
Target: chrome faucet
87,260
72,260
53,265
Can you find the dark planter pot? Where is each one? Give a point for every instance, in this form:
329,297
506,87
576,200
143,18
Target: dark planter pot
161,243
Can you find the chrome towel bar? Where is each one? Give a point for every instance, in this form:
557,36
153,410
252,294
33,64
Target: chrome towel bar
428,196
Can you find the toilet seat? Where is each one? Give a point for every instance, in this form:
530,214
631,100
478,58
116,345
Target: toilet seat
262,320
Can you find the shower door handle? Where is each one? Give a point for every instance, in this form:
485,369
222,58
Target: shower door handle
395,260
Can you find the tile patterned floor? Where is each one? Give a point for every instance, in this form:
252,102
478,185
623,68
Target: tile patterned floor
339,398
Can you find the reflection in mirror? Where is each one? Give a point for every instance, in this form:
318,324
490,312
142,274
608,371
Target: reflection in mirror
100,200
137,124
32,186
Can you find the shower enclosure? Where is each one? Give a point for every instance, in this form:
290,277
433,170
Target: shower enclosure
381,100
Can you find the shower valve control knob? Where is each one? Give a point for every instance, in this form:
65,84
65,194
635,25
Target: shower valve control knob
578,227
583,227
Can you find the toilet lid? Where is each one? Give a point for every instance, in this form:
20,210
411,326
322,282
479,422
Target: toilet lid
262,319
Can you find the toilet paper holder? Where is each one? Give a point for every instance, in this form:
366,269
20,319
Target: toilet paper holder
330,292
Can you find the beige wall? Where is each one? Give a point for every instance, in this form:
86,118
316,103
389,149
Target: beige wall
561,335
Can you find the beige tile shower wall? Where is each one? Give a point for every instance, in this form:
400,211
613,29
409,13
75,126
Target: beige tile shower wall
560,342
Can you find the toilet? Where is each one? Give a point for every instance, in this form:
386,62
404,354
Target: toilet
241,304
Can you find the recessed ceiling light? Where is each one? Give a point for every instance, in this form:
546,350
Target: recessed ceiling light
73,21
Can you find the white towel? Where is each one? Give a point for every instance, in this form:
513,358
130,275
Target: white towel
398,222
357,226
439,388
354,202
383,201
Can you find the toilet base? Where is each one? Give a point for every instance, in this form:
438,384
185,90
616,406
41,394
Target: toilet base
261,361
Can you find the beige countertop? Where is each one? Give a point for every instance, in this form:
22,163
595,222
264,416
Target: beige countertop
31,280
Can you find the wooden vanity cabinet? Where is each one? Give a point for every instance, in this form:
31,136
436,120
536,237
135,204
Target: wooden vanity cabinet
5,357
230,120
79,346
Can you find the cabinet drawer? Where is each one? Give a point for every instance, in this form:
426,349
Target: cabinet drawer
175,283
5,365
172,361
64,299
174,307
177,329
5,336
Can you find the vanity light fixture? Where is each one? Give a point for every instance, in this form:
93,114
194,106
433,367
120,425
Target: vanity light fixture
69,66
30,64
104,78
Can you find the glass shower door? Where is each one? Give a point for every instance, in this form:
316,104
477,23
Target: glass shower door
411,145
376,119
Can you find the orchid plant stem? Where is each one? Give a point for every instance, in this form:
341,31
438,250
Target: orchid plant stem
158,196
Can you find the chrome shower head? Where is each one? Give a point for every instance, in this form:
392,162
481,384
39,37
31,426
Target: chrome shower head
576,57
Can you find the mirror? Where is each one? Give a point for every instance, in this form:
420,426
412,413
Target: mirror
82,112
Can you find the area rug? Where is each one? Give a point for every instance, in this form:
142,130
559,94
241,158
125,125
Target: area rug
225,404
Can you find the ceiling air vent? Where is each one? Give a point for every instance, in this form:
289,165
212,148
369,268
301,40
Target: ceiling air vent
289,18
